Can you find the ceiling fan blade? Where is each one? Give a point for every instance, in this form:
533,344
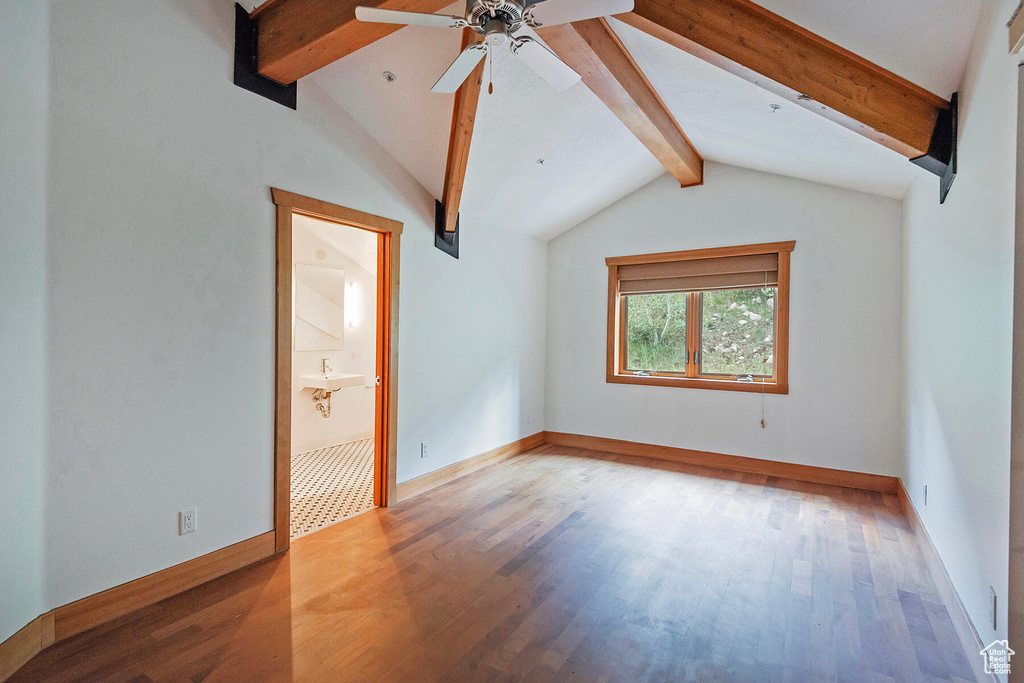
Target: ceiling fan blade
390,16
551,12
461,68
544,62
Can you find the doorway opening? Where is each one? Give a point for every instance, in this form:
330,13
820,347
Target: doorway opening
336,354
334,373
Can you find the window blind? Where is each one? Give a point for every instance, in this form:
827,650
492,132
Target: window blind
698,275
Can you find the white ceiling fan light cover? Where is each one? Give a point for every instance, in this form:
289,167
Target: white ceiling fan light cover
544,63
390,16
552,12
460,69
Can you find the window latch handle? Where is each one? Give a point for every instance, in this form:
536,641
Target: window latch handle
642,373
695,358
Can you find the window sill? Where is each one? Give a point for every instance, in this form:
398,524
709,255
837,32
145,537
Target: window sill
700,383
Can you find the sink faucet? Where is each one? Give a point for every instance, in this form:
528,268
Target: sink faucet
324,367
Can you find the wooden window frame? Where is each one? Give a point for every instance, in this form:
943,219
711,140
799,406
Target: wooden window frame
616,372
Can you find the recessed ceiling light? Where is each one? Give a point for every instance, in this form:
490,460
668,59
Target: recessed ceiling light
390,77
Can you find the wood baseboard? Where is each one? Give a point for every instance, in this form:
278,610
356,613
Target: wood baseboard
82,615
957,613
413,487
736,463
119,601
25,644
965,629
100,608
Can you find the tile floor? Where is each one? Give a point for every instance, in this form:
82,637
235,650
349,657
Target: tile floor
330,484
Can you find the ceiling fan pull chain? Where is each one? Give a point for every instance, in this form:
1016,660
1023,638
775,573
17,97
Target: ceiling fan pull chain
490,72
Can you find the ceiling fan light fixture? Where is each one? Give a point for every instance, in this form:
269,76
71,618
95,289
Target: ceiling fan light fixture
495,32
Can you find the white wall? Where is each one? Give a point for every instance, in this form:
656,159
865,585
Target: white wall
958,326
1015,603
162,292
843,408
472,367
24,73
352,408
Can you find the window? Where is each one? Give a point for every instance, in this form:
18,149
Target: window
707,319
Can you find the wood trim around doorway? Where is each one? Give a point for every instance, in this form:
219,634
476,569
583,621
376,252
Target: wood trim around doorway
389,233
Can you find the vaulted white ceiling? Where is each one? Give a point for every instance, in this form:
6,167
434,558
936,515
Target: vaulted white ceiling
591,160
358,245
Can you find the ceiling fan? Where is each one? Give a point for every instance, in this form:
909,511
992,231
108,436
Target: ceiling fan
501,22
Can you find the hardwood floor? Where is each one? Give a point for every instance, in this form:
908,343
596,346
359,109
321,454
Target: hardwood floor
561,565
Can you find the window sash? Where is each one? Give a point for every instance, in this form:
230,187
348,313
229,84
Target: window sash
624,340
694,339
699,296
621,271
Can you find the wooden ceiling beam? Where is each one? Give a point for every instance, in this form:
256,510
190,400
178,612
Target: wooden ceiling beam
298,37
596,53
763,48
463,119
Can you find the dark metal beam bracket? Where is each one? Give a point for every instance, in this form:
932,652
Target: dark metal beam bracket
941,156
448,242
247,74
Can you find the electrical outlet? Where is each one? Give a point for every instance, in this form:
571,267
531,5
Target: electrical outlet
188,521
926,494
423,449
992,614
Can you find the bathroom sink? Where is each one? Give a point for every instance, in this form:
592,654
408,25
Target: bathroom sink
331,381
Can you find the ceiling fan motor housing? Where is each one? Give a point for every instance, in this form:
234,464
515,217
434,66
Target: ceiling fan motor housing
495,32
482,15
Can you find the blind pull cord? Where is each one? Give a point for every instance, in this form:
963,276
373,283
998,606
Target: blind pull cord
765,360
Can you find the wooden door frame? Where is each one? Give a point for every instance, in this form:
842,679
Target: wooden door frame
389,234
